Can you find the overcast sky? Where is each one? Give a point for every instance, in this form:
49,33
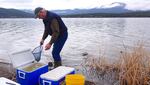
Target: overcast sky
71,4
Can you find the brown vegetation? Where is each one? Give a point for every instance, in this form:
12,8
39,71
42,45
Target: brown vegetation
131,68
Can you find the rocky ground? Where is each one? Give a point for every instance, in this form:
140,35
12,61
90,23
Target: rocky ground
7,71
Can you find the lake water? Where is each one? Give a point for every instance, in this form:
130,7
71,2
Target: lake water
95,36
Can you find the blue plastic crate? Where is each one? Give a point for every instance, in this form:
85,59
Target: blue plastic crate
30,78
56,76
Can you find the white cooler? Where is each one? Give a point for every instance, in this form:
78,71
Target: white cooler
5,81
24,59
56,76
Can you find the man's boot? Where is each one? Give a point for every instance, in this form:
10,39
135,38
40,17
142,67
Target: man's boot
57,63
50,65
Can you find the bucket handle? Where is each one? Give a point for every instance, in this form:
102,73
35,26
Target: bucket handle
46,82
21,74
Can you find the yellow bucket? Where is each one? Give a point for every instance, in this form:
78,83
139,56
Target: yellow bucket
75,79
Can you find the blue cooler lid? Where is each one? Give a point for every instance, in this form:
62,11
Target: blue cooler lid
22,57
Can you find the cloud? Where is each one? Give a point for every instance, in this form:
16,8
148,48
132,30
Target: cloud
17,4
139,5
131,5
16,1
66,4
72,4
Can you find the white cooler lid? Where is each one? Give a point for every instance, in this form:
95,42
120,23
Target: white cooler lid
57,73
4,81
22,57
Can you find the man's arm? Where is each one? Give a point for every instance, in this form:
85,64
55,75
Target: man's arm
55,31
45,34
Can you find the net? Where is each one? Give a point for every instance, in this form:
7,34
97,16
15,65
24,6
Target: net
37,53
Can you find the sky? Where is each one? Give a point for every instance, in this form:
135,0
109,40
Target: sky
73,4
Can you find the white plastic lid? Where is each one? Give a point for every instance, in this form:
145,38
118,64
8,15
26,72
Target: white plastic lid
5,81
22,57
57,73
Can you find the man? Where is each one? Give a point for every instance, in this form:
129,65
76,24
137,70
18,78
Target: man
55,27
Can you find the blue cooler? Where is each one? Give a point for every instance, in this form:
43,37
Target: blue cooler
56,76
27,71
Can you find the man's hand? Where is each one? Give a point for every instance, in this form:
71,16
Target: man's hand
48,46
41,42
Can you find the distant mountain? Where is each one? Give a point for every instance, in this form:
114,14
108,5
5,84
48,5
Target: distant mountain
14,13
115,7
129,14
27,10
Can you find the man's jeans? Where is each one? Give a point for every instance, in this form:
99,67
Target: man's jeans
58,45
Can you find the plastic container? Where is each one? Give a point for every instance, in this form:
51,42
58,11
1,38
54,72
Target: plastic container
75,79
56,76
22,61
5,81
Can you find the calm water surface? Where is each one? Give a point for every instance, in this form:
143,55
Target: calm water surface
95,36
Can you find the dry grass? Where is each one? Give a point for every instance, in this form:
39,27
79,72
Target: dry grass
132,68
